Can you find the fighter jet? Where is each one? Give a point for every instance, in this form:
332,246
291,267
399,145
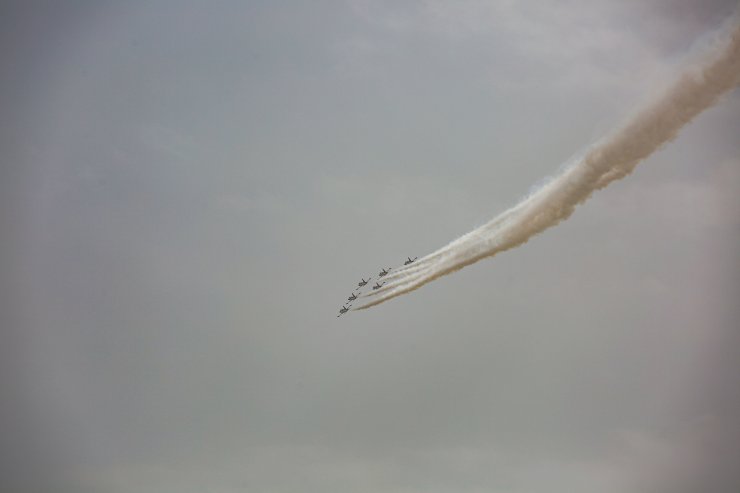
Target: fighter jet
343,310
384,272
377,285
352,298
409,260
363,282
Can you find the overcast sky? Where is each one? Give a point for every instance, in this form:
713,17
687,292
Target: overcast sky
190,189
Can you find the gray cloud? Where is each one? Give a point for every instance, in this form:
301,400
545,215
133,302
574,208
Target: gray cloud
190,189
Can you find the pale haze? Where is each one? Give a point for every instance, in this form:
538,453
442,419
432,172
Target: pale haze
189,191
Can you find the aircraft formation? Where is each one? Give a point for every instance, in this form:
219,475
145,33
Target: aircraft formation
363,282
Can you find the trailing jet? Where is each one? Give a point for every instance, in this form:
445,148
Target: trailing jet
352,298
409,260
384,272
377,285
343,310
363,282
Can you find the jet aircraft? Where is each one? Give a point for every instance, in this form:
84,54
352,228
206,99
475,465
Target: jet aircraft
377,285
409,260
363,282
352,298
384,272
343,310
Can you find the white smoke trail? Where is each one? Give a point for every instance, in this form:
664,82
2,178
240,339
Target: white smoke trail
610,159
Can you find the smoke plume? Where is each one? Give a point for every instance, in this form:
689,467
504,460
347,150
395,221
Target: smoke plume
609,159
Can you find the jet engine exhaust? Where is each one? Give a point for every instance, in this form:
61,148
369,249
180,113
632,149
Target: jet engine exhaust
611,158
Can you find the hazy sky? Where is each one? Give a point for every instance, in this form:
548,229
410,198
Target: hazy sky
190,189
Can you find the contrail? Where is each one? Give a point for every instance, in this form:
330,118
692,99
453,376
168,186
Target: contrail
608,160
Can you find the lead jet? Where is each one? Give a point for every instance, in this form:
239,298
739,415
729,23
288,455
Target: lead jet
409,260
384,272
343,310
352,298
363,282
377,285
